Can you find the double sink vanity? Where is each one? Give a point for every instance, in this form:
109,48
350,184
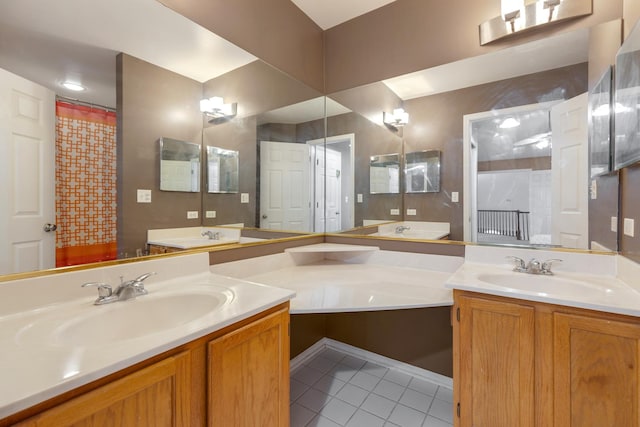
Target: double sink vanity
203,343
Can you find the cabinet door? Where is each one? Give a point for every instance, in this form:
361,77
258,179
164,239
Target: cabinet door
249,375
154,396
595,372
495,347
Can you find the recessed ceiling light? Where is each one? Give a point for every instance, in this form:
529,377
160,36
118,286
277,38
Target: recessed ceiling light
73,86
509,123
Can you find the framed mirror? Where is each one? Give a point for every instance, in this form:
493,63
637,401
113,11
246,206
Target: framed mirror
600,100
222,170
179,165
422,171
384,174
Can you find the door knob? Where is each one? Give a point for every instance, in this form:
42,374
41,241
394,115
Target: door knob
50,227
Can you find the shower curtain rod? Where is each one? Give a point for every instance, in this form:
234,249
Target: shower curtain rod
88,104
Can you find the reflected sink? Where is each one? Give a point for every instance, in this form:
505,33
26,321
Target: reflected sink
137,317
543,285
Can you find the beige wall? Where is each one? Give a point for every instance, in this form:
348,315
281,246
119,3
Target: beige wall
152,103
411,35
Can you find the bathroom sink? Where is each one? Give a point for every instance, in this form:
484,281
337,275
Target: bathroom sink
135,318
193,242
543,285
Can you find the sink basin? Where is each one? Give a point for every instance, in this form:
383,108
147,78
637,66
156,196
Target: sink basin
543,285
194,242
137,317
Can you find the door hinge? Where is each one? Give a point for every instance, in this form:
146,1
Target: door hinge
458,314
458,409
289,329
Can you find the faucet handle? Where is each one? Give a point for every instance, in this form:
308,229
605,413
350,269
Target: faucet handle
546,266
143,277
518,263
104,290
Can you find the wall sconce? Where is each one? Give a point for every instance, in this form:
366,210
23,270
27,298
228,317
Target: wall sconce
397,119
517,17
217,110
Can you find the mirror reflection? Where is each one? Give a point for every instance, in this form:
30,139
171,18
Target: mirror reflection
384,174
222,170
422,171
179,165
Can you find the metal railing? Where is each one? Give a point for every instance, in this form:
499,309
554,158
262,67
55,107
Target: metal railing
504,223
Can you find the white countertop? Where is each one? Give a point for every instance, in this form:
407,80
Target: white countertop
35,364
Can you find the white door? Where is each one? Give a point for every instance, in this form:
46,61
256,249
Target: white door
284,186
328,190
569,174
27,180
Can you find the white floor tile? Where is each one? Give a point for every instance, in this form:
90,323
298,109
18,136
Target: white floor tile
441,409
307,375
343,372
352,394
365,380
423,386
297,389
354,362
364,419
407,417
378,405
300,415
329,385
332,354
416,400
374,369
320,421
445,394
388,424
338,411
435,422
389,390
398,377
321,364
313,399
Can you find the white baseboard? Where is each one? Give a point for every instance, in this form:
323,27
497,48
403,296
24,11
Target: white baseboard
327,343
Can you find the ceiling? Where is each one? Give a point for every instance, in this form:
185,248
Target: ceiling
51,41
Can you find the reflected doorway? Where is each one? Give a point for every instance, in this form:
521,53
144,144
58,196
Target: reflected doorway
516,186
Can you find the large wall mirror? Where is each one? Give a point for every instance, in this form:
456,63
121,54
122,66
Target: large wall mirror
495,133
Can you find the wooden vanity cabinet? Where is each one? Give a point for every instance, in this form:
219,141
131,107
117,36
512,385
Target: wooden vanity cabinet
235,377
522,363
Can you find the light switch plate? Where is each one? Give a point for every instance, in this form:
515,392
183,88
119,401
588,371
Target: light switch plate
144,196
360,198
411,212
454,197
192,214
614,224
210,214
629,227
395,211
594,189
244,197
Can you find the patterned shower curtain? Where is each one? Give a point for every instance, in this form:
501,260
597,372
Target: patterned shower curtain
85,184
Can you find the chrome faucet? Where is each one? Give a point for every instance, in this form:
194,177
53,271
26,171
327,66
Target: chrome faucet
124,291
401,228
533,266
211,234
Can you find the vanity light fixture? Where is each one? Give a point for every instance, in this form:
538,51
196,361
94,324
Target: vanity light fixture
216,109
397,119
516,16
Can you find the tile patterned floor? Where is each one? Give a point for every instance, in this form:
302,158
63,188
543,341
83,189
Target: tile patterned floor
334,389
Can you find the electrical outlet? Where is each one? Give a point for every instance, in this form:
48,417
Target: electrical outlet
192,214
144,196
629,227
454,197
395,211
594,189
360,198
614,224
411,212
244,197
210,214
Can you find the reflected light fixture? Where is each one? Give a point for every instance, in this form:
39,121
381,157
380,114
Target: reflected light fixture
516,16
397,119
76,87
509,123
215,108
